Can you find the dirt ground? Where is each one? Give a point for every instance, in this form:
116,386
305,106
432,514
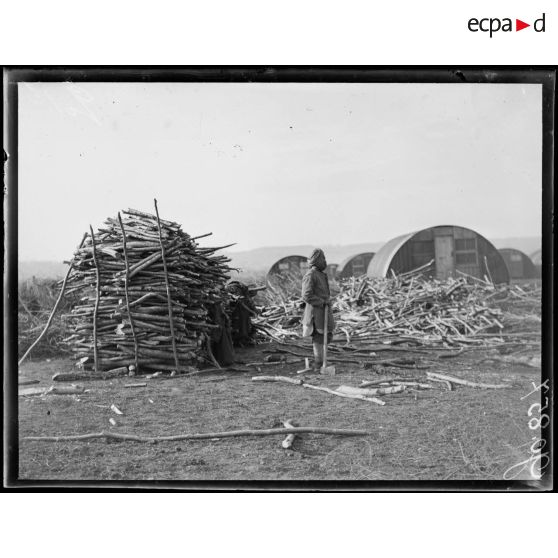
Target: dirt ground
436,434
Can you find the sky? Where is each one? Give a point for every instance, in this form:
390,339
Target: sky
273,164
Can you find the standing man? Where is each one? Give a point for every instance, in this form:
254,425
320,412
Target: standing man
241,309
316,295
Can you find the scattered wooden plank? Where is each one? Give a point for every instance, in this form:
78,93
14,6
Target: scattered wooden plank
294,381
413,384
370,391
29,392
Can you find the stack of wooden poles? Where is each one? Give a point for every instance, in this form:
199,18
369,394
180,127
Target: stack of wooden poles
146,290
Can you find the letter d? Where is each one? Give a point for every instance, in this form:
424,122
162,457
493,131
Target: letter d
535,25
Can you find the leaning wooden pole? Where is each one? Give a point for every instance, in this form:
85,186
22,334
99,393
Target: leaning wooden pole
169,300
56,304
488,270
97,297
126,281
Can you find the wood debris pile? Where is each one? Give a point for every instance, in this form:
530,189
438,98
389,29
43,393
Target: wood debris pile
453,312
145,289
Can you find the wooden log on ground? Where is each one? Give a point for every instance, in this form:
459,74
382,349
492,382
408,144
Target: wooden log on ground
273,363
453,380
370,391
288,441
32,391
388,380
65,390
283,379
220,370
23,382
449,385
204,436
101,375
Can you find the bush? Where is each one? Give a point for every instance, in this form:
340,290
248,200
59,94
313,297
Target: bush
36,299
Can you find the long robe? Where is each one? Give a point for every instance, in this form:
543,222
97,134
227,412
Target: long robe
221,339
315,293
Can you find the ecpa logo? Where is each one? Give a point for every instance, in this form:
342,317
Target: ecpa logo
494,24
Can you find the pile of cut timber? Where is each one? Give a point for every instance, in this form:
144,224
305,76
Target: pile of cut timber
453,312
145,287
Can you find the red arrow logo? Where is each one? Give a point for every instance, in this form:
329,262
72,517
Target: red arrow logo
519,25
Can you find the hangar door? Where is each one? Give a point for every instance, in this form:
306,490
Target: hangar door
443,248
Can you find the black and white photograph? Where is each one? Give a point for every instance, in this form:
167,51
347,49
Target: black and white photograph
270,276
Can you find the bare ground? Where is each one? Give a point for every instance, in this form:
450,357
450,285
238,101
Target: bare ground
466,434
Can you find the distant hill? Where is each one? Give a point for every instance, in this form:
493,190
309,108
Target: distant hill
259,260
